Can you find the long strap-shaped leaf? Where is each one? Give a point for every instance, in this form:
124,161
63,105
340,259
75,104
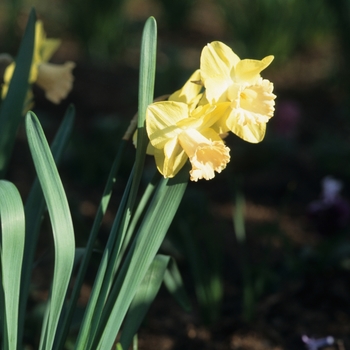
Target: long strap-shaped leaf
12,246
121,223
146,89
107,193
162,267
11,111
61,222
146,292
150,235
34,209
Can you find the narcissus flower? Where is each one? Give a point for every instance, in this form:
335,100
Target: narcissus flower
55,79
237,83
178,134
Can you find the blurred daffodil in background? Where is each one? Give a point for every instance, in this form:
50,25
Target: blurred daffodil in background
225,94
55,79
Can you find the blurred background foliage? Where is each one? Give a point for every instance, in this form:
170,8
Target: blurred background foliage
307,140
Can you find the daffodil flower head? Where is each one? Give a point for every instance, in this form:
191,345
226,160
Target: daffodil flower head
56,80
178,134
238,85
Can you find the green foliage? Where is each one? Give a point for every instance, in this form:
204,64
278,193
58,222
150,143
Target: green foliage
11,110
130,272
61,222
12,246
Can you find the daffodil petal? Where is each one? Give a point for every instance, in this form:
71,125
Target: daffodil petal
39,39
160,115
161,118
201,117
216,89
248,71
159,138
43,48
170,160
189,93
250,131
211,134
212,116
48,48
56,80
217,61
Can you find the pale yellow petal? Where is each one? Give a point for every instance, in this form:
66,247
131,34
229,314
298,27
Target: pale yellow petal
150,149
170,160
7,78
163,114
199,118
160,137
250,131
43,48
248,71
161,118
213,115
216,63
211,134
217,60
189,93
40,36
48,48
216,89
220,115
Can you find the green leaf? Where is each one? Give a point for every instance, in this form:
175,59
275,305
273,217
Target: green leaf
102,281
206,274
174,284
34,209
150,235
61,222
107,193
146,91
11,110
146,293
12,246
122,220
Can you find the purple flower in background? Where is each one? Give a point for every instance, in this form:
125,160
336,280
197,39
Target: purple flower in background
332,212
315,344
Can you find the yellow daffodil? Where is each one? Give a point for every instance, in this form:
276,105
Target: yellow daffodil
178,134
237,84
55,79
